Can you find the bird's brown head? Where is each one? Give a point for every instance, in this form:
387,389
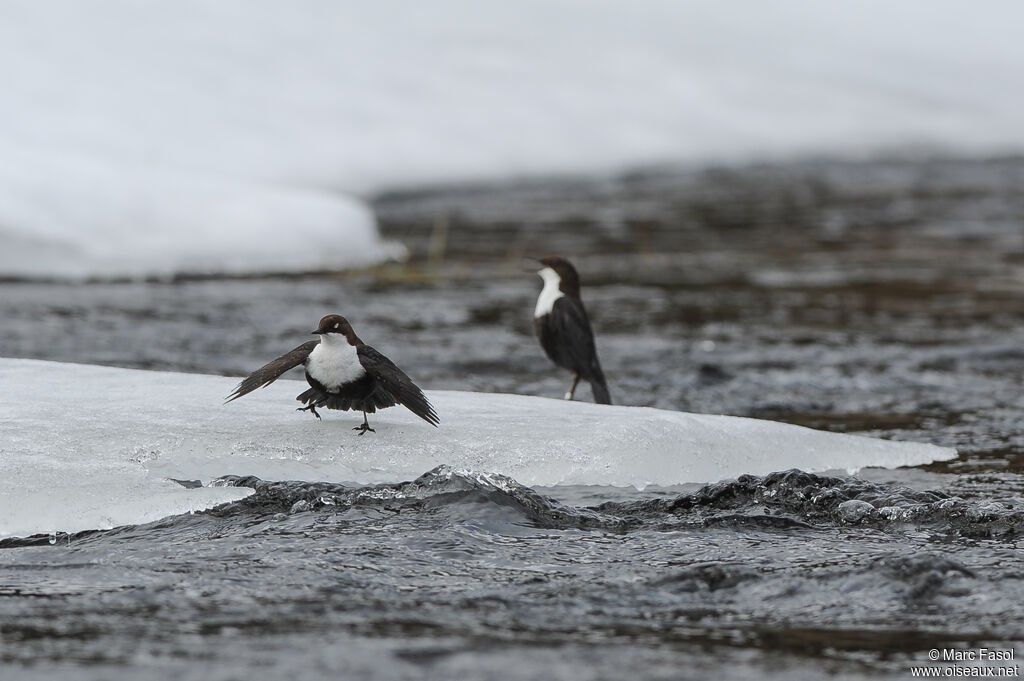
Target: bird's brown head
336,324
569,280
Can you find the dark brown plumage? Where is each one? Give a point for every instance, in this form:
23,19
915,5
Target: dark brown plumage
343,373
563,327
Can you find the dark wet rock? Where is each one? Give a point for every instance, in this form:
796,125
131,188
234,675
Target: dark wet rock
280,497
438,487
820,500
784,501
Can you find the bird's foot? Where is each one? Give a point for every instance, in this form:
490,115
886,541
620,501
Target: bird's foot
363,428
572,388
311,408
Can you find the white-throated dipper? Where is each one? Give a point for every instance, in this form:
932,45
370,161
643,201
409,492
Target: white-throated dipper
564,329
343,373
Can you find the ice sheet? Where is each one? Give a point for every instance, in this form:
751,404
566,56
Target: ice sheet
86,446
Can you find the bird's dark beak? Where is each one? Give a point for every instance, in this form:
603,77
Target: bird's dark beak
318,331
530,264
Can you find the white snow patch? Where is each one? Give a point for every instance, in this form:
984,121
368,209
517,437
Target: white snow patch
155,136
92,447
79,217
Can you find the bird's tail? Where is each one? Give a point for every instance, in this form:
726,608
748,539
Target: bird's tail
598,385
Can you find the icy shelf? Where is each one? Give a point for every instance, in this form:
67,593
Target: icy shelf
94,447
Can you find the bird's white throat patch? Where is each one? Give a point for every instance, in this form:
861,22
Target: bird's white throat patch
334,362
549,294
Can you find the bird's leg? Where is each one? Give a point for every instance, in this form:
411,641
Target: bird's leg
365,427
572,388
311,407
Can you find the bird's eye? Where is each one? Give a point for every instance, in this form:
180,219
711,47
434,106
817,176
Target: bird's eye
337,326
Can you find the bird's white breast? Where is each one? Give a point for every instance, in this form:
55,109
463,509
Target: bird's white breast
334,362
549,294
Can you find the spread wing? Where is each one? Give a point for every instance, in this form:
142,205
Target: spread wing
269,373
394,382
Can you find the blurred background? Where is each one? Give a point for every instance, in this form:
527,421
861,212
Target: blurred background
802,212
142,138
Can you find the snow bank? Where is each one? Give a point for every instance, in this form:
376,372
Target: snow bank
78,217
120,119
92,447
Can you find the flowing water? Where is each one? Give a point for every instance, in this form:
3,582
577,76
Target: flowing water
875,297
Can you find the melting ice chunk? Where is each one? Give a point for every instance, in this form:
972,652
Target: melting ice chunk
73,434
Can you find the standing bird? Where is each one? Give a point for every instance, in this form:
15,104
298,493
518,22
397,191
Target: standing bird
564,329
343,373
